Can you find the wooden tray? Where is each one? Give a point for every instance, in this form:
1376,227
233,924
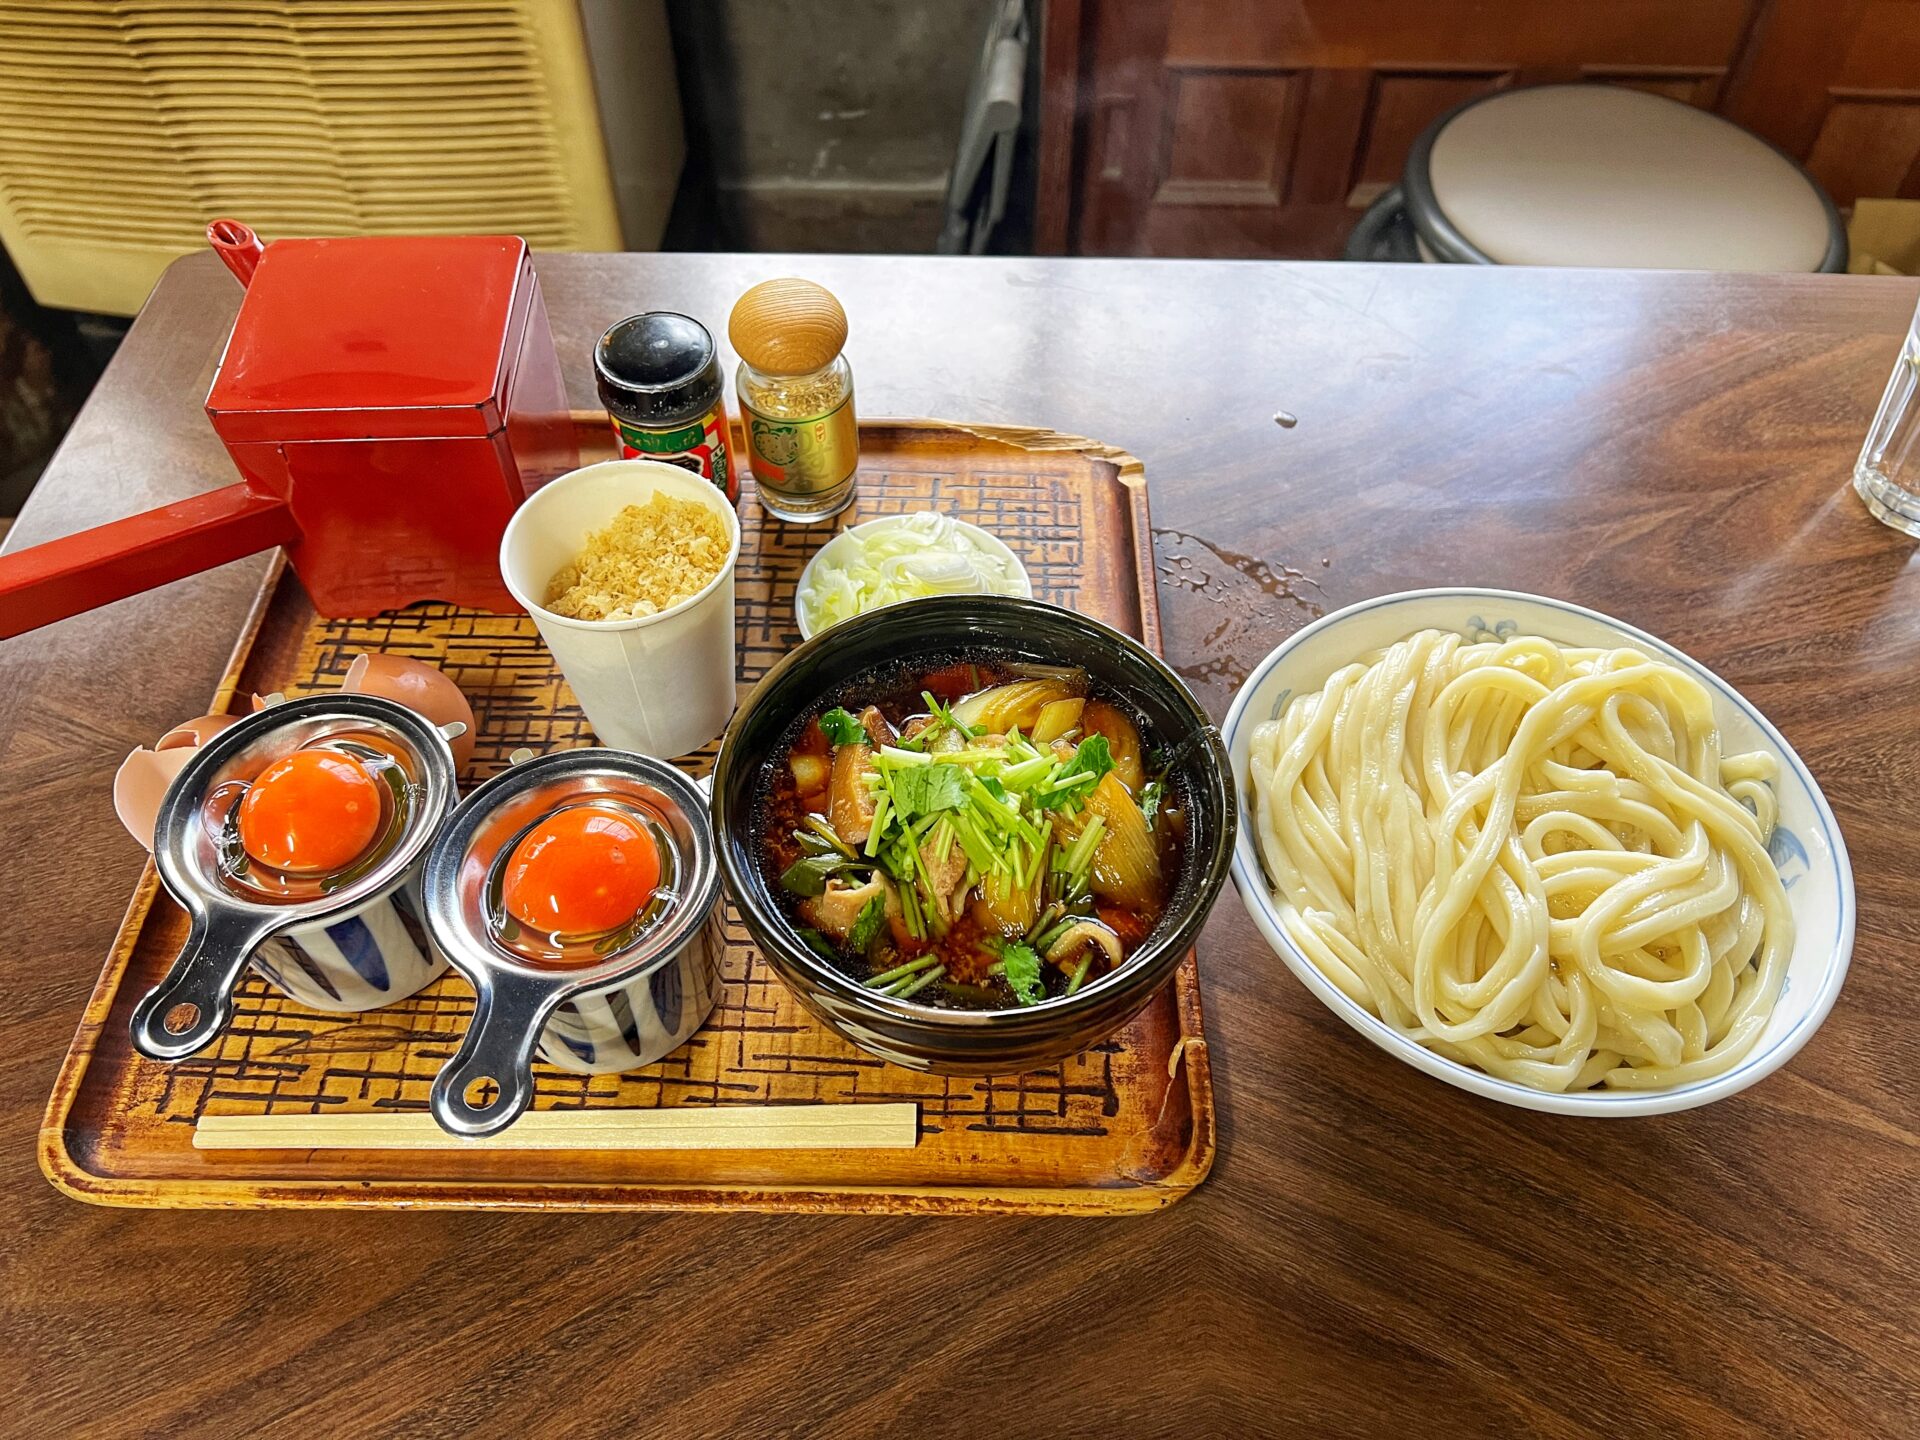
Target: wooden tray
1127,1126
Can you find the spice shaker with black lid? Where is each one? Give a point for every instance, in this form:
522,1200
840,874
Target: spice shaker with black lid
659,378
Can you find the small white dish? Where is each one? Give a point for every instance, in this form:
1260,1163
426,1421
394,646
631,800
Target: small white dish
1806,843
842,546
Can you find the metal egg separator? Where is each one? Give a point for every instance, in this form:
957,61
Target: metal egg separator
489,1081
194,1002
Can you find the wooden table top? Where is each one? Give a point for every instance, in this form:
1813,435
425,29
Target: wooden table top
1375,1251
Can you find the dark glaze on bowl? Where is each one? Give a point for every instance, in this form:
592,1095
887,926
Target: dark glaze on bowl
971,1041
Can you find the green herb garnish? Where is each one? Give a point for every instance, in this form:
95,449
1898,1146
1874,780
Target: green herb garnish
928,789
1090,757
907,989
842,728
872,916
818,943
1020,968
887,978
808,877
1080,973
1152,795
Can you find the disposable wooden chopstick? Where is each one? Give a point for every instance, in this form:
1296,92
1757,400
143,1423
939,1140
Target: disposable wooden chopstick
747,1127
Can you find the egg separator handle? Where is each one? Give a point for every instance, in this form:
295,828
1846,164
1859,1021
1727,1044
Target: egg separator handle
489,1081
185,1012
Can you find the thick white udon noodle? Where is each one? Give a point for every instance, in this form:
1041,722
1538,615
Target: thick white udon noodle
1530,859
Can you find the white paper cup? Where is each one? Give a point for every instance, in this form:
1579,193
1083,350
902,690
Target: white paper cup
661,685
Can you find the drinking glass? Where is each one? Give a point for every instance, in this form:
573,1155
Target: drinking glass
1887,474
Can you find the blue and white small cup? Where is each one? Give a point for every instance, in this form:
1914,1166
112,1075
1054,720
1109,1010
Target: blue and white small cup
355,947
636,1022
635,1004
371,957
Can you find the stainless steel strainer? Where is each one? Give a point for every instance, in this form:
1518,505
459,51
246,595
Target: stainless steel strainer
228,923
631,1008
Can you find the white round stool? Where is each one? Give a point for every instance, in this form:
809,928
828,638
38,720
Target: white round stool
1597,175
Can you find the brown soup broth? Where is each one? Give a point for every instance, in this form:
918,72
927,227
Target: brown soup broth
966,950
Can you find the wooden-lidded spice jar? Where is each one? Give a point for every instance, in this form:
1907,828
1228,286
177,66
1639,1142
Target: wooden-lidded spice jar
796,398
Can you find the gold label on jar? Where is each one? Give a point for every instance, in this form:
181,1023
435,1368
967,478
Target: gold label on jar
802,456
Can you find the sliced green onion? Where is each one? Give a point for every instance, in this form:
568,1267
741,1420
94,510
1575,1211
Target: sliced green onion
910,988
1049,937
1032,876
1081,856
1047,917
887,977
882,813
901,757
1026,774
1072,782
979,854
1080,972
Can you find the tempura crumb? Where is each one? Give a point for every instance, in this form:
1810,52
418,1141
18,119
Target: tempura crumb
648,558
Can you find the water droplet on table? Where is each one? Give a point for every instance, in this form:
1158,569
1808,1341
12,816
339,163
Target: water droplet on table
1254,604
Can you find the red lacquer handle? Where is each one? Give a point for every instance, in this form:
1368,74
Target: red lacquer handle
238,246
49,582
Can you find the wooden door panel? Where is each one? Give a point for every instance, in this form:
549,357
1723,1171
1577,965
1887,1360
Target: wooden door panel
1214,127
1402,104
1311,34
1231,140
1247,127
1867,146
1836,83
1699,88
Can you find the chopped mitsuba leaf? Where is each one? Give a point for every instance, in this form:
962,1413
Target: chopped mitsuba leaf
872,915
842,728
928,789
1090,757
1020,967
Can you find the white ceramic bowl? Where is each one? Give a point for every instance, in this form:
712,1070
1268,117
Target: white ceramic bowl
841,544
1806,844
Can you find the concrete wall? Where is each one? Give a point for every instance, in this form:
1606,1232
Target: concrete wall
822,124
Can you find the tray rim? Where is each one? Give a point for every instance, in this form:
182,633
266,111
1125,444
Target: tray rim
72,1178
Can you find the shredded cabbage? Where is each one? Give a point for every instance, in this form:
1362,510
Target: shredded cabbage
901,558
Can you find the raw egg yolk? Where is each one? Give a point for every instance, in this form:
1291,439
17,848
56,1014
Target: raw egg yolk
581,871
314,811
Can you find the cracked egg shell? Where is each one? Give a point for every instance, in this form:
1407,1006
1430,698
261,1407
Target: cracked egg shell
421,688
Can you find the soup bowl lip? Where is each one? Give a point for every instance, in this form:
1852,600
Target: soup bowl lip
1143,971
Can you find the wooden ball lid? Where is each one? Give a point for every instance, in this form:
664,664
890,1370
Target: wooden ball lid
787,327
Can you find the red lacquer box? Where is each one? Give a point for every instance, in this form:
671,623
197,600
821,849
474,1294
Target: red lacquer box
403,396
390,401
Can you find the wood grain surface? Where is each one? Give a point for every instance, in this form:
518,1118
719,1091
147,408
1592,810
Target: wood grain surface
1375,1252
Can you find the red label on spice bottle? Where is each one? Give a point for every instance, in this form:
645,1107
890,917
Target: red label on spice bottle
700,447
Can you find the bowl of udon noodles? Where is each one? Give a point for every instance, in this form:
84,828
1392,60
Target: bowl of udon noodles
973,834
1537,853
